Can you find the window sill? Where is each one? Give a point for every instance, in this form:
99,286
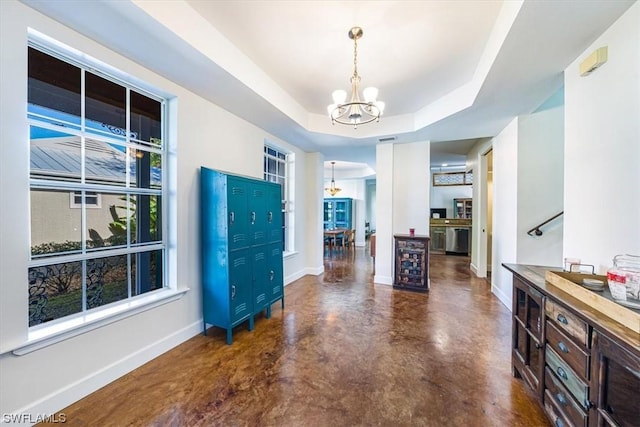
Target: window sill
289,254
41,337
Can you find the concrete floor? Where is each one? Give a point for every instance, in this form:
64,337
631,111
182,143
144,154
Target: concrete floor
343,352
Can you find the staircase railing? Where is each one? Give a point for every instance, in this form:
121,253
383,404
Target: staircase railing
536,230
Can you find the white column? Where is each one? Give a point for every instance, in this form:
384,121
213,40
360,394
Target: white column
313,240
384,214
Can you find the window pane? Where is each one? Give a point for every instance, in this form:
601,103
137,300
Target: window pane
147,218
55,226
55,291
106,280
146,169
54,87
54,155
272,169
105,163
105,105
107,225
146,122
146,272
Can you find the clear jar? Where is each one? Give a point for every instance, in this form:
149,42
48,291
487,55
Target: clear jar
624,277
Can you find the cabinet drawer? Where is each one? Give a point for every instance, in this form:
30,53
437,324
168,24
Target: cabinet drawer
567,377
567,321
569,351
560,396
554,413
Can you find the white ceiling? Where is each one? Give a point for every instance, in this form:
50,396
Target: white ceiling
449,71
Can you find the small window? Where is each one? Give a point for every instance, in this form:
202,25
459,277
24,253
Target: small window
91,200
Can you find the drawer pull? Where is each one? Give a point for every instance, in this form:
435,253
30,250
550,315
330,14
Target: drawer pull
562,319
562,373
538,346
563,347
559,422
561,399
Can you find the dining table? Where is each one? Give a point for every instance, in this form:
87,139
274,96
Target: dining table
333,234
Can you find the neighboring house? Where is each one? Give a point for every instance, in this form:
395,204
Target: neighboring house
58,156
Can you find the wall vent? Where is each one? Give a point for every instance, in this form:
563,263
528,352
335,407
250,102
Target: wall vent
387,139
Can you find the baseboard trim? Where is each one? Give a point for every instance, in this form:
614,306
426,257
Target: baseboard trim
504,299
383,280
474,269
71,393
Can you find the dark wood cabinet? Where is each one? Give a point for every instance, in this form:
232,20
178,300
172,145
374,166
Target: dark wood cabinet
616,383
411,262
583,366
438,239
527,341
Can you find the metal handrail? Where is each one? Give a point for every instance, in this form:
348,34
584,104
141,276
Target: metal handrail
537,230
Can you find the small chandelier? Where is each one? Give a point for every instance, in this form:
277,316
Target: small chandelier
332,189
355,112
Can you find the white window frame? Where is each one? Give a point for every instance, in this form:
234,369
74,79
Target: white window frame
288,202
49,333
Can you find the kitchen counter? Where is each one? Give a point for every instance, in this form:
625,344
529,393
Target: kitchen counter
535,275
449,222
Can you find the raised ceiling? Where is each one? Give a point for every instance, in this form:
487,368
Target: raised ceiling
448,70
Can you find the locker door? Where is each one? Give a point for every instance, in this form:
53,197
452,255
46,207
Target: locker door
258,223
240,285
275,280
259,259
238,217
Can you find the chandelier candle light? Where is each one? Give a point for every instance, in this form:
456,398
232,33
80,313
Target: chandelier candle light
355,112
332,189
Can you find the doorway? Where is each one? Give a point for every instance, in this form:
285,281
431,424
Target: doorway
486,214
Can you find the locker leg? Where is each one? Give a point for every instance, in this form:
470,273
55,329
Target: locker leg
282,302
204,329
268,315
229,336
251,323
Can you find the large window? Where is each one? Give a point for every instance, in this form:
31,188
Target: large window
278,167
100,142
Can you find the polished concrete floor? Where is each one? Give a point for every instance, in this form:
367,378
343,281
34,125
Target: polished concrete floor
343,352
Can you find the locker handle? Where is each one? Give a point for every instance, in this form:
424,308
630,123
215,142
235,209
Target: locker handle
272,274
253,217
270,216
233,291
232,217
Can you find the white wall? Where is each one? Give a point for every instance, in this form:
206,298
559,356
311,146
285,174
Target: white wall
442,196
371,203
602,149
313,246
410,190
51,378
402,199
384,214
540,186
505,207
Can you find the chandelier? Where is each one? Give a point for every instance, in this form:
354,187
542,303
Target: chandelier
355,112
332,189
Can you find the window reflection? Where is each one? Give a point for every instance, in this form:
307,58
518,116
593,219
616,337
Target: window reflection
55,226
106,280
55,291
